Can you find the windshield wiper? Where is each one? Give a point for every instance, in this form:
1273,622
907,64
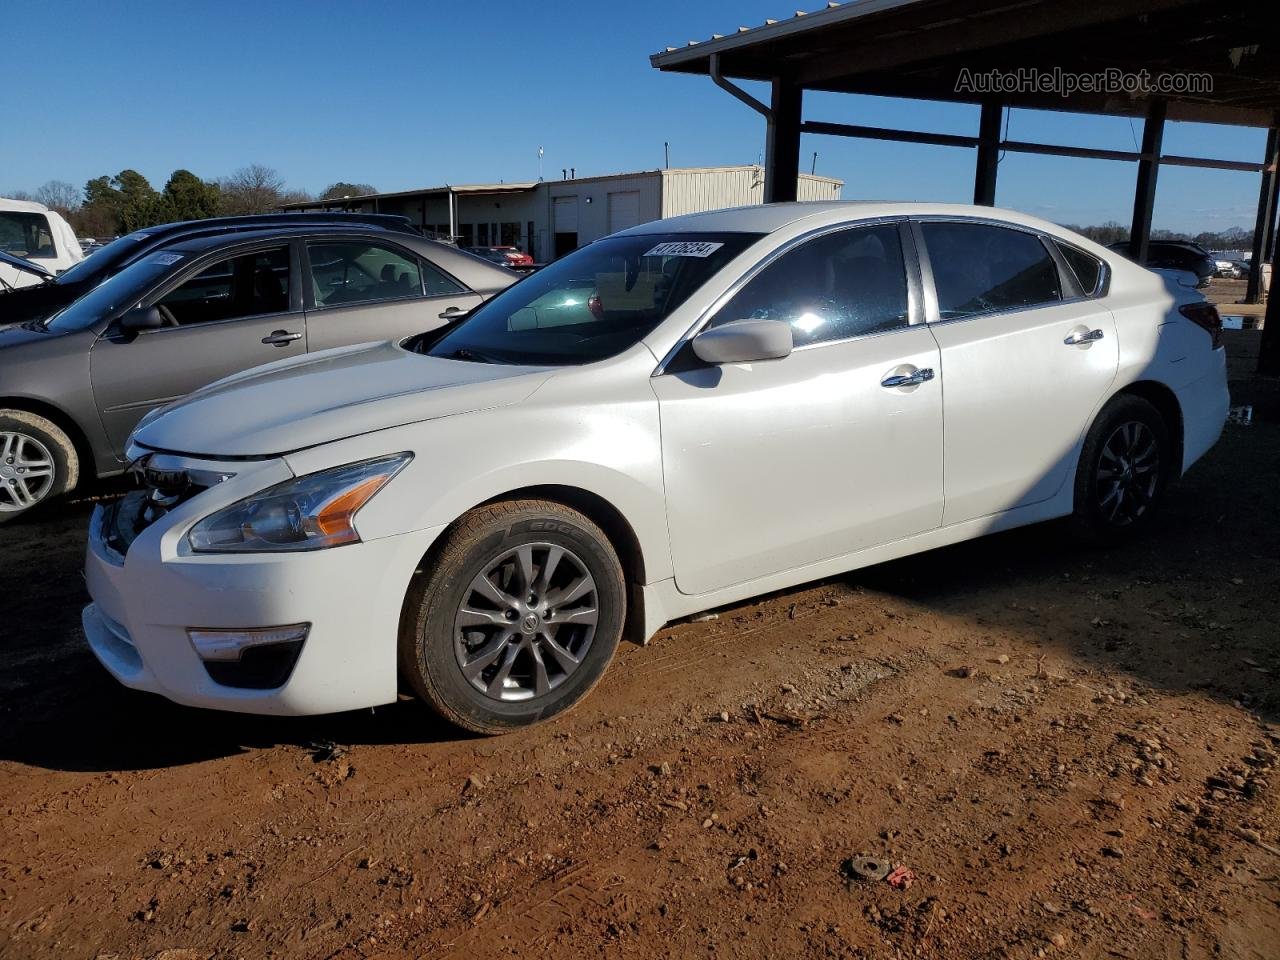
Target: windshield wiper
463,353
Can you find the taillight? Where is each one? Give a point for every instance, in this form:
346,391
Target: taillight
1204,315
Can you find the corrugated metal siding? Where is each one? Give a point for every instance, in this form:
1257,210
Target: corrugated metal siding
818,188
693,191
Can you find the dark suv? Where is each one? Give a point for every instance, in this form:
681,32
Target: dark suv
1176,255
201,308
46,299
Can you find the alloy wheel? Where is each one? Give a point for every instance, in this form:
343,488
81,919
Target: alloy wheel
526,622
1128,473
26,471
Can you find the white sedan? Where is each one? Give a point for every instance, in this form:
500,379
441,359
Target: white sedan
680,416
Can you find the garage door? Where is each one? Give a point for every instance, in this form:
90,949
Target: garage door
565,214
624,210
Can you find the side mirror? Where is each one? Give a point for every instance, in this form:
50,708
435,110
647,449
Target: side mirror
142,318
744,341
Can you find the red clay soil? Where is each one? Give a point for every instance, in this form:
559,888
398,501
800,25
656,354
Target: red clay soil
1072,750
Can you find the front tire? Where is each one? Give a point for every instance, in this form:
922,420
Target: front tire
516,618
38,461
1125,466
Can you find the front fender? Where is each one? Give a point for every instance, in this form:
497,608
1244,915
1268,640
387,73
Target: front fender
611,450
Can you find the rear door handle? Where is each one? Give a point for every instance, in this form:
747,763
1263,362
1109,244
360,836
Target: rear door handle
452,312
281,338
1076,339
923,375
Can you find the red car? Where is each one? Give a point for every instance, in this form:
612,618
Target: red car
511,257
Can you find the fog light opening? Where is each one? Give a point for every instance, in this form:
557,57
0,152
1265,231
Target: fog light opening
256,659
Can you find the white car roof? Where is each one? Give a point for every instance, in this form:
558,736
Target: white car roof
25,206
769,217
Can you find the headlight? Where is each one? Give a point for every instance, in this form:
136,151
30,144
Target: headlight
305,513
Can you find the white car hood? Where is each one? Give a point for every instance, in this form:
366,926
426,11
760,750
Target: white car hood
328,396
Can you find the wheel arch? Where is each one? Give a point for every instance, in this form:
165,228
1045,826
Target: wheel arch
64,422
1165,401
604,514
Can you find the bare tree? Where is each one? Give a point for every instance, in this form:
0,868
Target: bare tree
295,196
60,196
252,189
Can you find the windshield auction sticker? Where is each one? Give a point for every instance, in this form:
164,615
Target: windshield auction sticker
685,248
166,259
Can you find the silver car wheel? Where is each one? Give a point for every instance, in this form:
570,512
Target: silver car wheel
526,622
26,472
1128,472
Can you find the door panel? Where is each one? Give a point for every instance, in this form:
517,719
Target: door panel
1017,396
388,320
770,466
363,290
1017,402
132,377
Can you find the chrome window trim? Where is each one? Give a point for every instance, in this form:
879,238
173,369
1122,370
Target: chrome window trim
1046,239
913,314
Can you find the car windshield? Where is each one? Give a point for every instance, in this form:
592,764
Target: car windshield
125,289
594,303
102,259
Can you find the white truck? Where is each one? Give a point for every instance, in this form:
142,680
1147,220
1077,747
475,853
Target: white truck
37,234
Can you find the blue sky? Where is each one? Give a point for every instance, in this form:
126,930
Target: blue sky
407,94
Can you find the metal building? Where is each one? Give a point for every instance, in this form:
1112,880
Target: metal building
550,218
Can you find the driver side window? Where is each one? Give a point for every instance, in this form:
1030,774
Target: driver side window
851,283
249,285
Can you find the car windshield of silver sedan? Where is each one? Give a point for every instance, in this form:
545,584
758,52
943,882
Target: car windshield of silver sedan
594,303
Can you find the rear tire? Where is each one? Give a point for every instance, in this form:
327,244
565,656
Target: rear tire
516,618
38,461
1125,466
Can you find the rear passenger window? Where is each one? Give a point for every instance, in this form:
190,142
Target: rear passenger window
356,271
1088,270
851,283
980,269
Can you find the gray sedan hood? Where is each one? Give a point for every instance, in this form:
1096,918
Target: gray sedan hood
328,396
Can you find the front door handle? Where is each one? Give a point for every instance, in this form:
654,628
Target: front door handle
923,375
281,338
1078,338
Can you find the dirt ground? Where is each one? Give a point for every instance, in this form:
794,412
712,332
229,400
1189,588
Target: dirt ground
1074,752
